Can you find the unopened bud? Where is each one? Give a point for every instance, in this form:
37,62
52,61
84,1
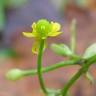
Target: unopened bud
14,74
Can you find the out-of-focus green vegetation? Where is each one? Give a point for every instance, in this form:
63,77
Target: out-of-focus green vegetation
4,4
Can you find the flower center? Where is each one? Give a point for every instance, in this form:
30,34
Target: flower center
43,27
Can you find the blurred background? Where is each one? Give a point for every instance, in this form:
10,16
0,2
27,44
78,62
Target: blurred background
16,16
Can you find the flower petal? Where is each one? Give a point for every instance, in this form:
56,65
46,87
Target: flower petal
55,26
29,34
33,26
53,34
35,47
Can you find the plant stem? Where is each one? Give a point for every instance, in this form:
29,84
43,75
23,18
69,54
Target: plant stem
83,70
39,66
71,82
50,68
73,35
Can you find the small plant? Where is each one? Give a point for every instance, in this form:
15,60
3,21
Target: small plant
43,29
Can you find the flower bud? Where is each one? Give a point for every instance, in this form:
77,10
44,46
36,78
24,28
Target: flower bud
61,49
14,74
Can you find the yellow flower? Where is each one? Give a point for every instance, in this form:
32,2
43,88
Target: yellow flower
41,30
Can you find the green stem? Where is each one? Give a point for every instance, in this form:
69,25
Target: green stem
71,82
73,35
39,66
83,70
50,68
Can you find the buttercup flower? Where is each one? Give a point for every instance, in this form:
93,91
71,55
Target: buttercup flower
41,30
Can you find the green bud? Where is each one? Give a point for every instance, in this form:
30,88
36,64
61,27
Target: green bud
61,49
14,74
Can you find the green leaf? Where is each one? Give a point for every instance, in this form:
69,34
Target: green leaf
61,49
90,51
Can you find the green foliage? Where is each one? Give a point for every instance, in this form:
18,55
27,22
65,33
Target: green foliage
4,53
90,51
5,4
